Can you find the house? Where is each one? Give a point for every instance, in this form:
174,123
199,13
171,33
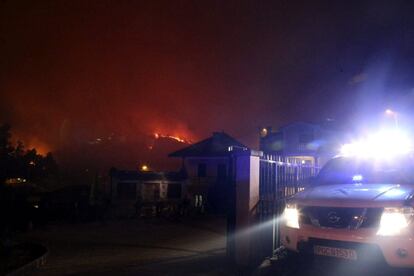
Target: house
146,187
207,166
308,143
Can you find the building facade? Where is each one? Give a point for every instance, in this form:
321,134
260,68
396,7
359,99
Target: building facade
207,165
308,143
129,188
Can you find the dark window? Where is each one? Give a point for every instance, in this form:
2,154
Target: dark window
126,190
174,190
221,172
202,170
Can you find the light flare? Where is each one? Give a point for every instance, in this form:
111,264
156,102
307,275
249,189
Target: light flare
385,144
395,220
291,216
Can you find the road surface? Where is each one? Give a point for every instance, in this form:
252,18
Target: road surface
136,247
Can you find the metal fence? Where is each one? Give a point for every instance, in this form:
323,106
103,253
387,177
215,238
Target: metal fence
280,177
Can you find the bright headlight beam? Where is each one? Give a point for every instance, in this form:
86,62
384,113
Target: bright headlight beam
291,217
394,221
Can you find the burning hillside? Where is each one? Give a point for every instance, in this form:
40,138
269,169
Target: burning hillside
176,138
123,151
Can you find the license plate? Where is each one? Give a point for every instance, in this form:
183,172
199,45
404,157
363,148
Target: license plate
342,253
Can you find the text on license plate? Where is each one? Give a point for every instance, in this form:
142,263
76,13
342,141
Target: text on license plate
342,253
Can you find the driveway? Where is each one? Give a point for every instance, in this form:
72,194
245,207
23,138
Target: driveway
136,247
162,247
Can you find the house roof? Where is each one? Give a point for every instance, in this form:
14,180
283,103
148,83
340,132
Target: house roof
217,145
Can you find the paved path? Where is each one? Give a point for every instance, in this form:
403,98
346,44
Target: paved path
161,247
136,247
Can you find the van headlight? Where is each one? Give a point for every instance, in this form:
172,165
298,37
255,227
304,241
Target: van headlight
291,216
395,220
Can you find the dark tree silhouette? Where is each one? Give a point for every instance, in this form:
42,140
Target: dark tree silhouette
6,152
16,210
16,161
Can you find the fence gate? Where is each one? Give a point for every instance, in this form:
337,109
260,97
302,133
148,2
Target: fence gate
280,177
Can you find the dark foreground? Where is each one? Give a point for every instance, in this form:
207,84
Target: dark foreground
163,247
136,247
295,265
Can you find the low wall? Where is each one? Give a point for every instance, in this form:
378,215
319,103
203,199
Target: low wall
40,260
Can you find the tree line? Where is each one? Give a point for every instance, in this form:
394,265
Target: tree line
18,162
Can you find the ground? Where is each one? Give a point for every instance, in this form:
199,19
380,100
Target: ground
298,265
165,247
136,247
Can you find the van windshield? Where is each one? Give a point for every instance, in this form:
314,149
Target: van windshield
343,170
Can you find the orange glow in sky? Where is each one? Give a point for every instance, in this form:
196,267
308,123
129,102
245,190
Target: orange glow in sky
41,148
33,143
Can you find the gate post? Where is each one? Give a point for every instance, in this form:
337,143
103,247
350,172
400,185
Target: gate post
246,175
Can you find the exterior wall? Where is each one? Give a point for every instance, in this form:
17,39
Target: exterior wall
247,198
114,186
298,139
191,165
211,188
254,182
303,141
145,191
212,163
122,207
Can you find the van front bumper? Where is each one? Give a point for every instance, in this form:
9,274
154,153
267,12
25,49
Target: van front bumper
396,251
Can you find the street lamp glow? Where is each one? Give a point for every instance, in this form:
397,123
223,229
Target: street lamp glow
389,112
263,132
393,114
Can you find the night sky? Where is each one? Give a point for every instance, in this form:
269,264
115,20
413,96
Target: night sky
75,71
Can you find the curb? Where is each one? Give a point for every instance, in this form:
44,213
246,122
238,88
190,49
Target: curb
31,266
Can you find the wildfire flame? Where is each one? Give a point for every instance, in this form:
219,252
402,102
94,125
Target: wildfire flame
176,138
